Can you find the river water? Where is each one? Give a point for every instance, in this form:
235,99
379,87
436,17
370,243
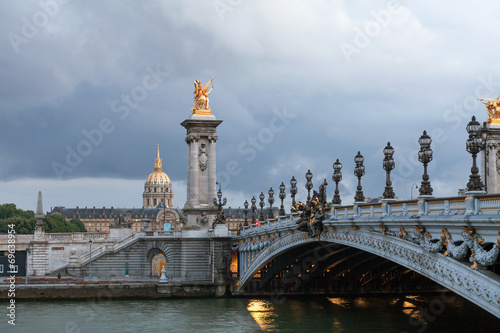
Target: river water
438,313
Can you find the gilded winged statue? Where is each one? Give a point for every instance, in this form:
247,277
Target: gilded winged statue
492,107
201,95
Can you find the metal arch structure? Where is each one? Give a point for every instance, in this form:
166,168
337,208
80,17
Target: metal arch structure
448,240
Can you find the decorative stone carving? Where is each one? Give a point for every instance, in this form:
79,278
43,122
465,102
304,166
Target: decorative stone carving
192,138
202,219
202,129
121,221
453,250
312,215
203,157
212,138
480,255
423,239
498,160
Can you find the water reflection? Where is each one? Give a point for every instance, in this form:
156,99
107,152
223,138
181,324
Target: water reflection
299,314
262,312
340,301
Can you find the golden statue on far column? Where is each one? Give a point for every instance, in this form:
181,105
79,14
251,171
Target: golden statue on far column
493,109
201,107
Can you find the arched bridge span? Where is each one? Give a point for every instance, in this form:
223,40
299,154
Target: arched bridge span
451,241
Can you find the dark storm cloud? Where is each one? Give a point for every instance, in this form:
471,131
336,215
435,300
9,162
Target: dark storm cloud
351,76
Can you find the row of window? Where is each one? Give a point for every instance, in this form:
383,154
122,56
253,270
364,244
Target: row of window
155,202
161,190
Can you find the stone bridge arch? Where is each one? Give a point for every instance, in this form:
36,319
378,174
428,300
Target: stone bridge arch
482,287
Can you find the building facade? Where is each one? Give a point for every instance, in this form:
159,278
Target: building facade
156,213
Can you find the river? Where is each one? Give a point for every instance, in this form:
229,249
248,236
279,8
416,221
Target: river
413,313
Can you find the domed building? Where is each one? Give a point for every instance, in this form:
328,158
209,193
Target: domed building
156,209
157,188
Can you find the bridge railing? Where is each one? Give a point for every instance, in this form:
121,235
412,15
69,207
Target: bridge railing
472,204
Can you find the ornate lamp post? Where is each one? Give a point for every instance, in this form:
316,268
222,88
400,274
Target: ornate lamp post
322,193
359,171
337,177
282,197
388,165
220,218
246,213
425,156
293,189
473,147
261,204
271,201
309,184
485,132
254,208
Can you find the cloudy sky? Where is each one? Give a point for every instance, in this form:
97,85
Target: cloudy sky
89,88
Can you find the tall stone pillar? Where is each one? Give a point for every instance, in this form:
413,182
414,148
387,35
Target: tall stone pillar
490,159
201,136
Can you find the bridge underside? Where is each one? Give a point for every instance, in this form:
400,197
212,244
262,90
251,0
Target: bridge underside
330,267
350,259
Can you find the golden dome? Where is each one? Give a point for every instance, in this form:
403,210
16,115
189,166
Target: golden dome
158,177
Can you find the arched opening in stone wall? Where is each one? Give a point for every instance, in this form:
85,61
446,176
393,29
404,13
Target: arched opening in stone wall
157,263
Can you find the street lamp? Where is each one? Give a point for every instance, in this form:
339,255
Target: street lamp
425,156
220,218
337,177
254,208
473,146
293,189
27,253
485,132
388,165
309,184
261,204
322,193
90,271
359,171
271,201
282,197
411,190
246,213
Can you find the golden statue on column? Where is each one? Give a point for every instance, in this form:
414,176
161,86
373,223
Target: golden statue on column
493,109
201,107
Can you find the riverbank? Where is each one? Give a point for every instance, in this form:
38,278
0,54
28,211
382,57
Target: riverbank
74,289
79,289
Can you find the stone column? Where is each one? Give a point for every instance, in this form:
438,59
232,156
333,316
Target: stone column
490,160
200,137
212,169
194,169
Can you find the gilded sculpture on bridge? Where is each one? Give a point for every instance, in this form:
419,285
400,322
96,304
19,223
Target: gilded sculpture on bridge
201,107
311,217
493,109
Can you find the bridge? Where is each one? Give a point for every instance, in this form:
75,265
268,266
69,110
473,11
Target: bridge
453,241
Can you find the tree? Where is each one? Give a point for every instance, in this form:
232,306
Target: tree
78,225
10,210
25,221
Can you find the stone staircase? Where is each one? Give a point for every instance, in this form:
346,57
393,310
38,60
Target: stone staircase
39,259
100,251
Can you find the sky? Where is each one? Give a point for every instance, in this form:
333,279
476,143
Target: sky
88,89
